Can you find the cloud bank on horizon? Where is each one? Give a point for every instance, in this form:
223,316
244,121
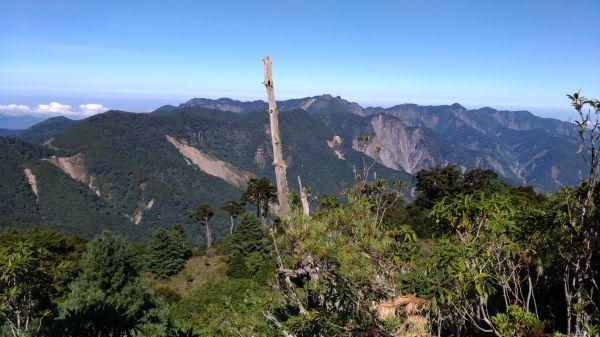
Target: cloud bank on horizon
53,109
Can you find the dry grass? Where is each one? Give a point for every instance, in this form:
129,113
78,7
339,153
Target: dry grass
408,309
198,271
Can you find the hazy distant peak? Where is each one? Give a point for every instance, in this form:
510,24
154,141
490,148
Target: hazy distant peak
410,113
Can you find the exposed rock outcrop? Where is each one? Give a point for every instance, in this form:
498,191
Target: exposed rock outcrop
396,146
260,157
335,144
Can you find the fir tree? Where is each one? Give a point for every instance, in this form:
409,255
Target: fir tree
166,256
248,238
107,298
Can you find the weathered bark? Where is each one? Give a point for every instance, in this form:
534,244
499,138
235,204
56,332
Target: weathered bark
208,234
303,198
231,227
307,270
278,162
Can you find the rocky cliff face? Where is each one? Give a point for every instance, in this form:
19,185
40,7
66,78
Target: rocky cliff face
396,146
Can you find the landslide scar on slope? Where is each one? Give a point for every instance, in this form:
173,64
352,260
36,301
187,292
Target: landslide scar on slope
75,167
32,181
211,165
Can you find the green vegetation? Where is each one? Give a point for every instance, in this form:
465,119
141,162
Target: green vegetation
43,131
260,192
470,256
167,252
202,214
141,177
234,209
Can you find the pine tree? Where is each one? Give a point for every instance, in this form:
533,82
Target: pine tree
202,214
166,256
107,298
234,209
248,238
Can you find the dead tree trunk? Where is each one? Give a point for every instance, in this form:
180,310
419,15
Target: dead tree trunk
278,162
208,234
303,198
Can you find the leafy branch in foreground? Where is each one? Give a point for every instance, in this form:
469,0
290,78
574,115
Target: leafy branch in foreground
28,280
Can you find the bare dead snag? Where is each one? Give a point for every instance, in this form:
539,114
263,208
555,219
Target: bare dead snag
303,198
278,162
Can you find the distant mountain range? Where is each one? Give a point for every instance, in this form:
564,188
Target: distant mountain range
134,172
521,147
18,122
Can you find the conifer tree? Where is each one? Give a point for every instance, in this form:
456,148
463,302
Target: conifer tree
107,298
248,238
167,256
260,192
234,209
202,214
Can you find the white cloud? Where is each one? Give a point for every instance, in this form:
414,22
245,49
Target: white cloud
14,109
53,109
92,108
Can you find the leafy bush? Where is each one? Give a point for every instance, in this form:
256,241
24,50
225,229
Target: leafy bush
518,323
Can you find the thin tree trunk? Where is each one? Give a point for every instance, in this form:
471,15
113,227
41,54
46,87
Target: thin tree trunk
208,235
303,198
569,299
231,227
278,162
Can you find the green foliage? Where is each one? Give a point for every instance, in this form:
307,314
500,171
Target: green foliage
230,307
43,131
234,209
260,192
328,202
341,262
108,297
168,252
518,323
448,182
249,252
29,278
470,256
202,213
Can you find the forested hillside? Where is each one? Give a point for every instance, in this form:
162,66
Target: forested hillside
141,172
145,171
469,256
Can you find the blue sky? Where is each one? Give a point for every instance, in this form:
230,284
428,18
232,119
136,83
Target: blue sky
138,55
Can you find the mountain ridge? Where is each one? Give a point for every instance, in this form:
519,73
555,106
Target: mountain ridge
136,172
475,136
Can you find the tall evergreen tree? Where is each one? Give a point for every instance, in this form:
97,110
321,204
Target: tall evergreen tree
248,240
107,298
234,209
202,214
260,192
181,240
166,256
